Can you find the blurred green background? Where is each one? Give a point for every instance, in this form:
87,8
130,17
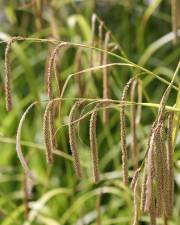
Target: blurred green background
143,30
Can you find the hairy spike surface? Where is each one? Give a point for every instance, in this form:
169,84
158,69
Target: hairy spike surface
106,94
123,133
7,70
150,173
159,175
143,191
170,164
51,65
134,146
72,138
152,210
135,190
47,130
135,177
93,145
164,168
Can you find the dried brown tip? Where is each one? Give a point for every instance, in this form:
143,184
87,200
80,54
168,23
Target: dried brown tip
106,94
48,131
7,70
93,145
51,66
123,133
72,138
170,175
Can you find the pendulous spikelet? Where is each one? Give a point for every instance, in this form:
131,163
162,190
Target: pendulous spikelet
152,210
48,131
123,133
159,175
170,175
93,145
165,170
135,177
106,94
72,138
134,146
150,173
7,70
135,190
143,191
51,66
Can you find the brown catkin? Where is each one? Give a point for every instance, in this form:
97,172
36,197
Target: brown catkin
134,146
7,70
106,94
93,145
51,65
72,138
123,133
47,130
170,164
